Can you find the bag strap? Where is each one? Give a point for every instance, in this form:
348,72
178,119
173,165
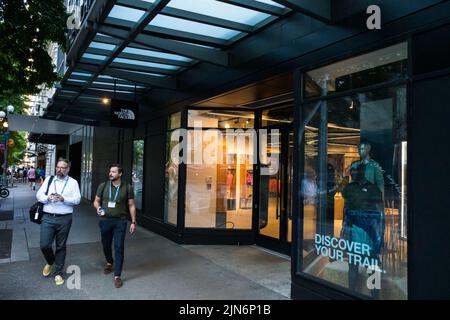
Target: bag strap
48,184
103,191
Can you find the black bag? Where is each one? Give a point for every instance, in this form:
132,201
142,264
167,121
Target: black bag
37,209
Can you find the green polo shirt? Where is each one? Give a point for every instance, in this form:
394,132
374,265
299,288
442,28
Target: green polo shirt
121,210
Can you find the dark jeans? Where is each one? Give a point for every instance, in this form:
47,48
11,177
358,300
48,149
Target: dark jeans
114,229
372,223
55,227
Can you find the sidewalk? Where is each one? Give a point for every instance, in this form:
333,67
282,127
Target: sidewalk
154,267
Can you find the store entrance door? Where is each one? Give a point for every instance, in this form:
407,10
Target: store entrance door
275,191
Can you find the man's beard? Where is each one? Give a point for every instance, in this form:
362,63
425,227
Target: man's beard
60,175
114,179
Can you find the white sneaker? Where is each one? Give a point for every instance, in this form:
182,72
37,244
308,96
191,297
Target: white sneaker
47,270
59,280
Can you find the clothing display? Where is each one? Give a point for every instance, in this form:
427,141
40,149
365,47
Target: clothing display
364,219
249,179
366,227
372,172
230,177
273,183
365,196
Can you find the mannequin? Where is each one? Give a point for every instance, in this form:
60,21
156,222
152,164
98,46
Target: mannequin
364,210
373,172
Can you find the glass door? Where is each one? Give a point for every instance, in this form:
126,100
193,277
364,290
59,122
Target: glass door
275,189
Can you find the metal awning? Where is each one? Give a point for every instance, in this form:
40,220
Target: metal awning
36,125
125,48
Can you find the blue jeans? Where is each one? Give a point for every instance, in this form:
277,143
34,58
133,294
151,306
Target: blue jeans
367,227
114,229
55,227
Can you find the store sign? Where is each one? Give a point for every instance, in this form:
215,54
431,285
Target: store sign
124,113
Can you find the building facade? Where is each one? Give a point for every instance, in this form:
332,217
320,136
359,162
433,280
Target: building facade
313,141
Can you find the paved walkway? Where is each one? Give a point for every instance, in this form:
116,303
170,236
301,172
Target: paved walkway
154,268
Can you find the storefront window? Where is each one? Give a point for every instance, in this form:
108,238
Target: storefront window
137,175
354,192
221,119
380,66
171,184
219,185
277,116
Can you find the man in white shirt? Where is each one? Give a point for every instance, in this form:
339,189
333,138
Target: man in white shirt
63,194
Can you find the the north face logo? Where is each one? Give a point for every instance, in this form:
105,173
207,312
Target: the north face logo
125,114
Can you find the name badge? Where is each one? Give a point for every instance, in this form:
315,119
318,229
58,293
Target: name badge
111,204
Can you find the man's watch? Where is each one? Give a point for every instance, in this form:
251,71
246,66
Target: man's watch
133,222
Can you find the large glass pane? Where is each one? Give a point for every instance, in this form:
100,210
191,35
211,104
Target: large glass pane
219,183
193,27
277,116
146,64
137,174
125,13
270,196
222,119
354,192
219,193
171,170
101,45
93,56
220,10
369,69
156,54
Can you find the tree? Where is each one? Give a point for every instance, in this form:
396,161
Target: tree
27,27
16,153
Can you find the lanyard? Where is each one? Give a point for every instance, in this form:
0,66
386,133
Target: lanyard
65,184
117,192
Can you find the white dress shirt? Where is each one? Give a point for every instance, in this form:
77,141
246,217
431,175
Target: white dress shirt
71,195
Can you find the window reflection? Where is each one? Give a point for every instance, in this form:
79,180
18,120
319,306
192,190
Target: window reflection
354,192
137,174
171,173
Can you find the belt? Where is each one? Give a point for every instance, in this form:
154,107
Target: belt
57,214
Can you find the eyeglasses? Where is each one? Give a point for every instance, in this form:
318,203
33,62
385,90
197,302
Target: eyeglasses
62,168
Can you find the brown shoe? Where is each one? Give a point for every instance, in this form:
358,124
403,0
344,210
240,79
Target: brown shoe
118,282
108,268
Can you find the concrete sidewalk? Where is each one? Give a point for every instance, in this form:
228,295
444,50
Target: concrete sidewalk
154,267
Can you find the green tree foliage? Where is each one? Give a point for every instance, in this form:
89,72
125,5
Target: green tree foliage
16,153
27,27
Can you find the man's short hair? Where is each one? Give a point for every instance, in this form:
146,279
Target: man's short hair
64,160
116,165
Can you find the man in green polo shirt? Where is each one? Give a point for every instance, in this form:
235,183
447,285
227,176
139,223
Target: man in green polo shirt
114,203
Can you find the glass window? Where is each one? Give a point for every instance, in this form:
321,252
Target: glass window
277,116
156,54
171,171
93,56
354,192
369,69
222,119
219,182
137,174
82,74
101,45
125,13
221,10
146,63
193,27
272,3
